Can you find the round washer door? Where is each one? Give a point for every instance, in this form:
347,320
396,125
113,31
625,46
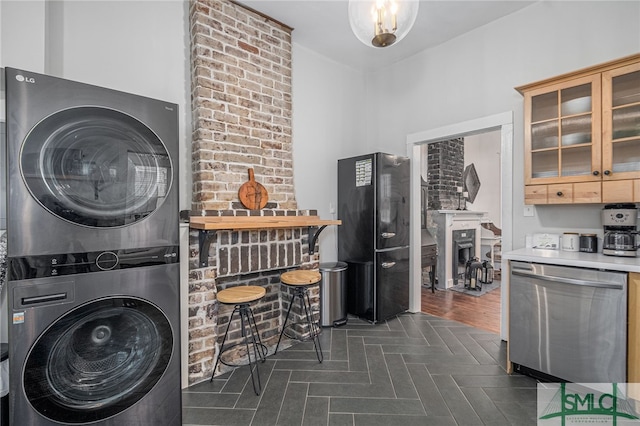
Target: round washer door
96,167
97,360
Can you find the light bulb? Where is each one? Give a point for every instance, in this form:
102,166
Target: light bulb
392,20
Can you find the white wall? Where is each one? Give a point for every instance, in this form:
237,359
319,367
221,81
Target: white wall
483,150
327,126
475,74
22,34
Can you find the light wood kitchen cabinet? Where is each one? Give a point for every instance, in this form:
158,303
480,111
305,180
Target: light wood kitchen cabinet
563,193
616,191
582,135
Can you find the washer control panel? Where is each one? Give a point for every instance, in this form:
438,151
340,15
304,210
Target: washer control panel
28,267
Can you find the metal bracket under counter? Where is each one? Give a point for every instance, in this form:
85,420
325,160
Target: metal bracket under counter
314,238
208,225
204,240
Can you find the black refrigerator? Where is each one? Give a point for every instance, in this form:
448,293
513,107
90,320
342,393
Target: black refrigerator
373,204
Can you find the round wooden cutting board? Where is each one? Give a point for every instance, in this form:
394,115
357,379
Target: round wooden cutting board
252,194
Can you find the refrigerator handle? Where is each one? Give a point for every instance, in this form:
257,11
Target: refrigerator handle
387,265
388,234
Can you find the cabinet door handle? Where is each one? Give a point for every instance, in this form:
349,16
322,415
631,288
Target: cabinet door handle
559,193
607,172
596,173
387,265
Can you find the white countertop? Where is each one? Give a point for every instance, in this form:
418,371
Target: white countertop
575,258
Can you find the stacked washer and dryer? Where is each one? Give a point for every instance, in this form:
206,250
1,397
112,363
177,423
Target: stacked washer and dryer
93,260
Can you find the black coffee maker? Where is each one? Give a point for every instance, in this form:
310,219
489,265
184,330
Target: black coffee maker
620,233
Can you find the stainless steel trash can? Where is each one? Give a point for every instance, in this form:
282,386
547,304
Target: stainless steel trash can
333,294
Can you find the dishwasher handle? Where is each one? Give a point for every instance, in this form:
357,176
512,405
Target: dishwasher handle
564,280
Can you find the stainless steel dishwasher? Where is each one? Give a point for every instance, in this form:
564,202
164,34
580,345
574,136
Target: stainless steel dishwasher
569,323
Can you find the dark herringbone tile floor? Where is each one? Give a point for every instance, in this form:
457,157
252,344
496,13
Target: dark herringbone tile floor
414,369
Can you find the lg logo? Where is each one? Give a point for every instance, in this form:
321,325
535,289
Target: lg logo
24,79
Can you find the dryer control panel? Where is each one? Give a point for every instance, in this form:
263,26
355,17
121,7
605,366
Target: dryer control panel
29,267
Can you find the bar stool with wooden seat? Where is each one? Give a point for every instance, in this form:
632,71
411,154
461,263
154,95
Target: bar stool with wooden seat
301,280
242,297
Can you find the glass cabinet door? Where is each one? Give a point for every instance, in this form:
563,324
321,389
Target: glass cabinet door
621,122
562,135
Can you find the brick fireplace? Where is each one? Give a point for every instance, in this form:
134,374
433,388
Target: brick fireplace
445,161
458,235
463,249
241,110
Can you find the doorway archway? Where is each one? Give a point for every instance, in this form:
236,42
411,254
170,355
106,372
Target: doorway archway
502,122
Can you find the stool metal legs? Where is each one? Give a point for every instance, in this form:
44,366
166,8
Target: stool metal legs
247,322
302,294
314,328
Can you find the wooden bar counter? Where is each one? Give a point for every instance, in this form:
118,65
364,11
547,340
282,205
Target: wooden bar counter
211,223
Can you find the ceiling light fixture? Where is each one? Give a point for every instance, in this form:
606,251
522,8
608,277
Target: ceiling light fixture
381,23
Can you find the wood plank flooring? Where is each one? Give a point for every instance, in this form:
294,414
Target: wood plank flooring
480,312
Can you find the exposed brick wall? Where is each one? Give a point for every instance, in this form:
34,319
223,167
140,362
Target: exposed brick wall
241,109
241,105
445,169
249,251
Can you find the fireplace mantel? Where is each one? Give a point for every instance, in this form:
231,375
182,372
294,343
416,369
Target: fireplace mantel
461,215
448,221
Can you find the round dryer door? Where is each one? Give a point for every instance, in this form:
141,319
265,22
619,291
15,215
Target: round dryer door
96,167
97,360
